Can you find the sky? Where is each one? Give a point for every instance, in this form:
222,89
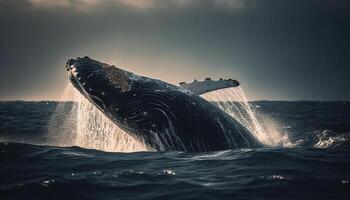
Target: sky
277,49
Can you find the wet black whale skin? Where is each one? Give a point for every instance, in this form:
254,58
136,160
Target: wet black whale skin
164,116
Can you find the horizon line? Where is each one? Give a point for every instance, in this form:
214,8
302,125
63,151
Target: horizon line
256,100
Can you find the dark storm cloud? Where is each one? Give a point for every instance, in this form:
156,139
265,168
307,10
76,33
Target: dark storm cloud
277,49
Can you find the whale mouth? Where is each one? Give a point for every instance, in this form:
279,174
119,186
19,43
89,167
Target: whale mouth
75,80
78,82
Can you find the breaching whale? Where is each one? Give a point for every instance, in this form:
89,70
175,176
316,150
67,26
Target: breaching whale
161,115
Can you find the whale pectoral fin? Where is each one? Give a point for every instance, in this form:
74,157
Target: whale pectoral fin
208,85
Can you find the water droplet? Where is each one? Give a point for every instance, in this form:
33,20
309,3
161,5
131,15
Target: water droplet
277,177
169,172
46,183
97,172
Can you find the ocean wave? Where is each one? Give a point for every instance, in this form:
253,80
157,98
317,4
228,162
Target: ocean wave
39,171
328,139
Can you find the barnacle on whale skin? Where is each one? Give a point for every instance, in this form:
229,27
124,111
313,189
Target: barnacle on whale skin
117,77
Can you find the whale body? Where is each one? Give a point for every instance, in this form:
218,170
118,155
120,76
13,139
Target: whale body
161,115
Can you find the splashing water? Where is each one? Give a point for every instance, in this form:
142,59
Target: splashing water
96,131
62,122
80,123
234,102
325,139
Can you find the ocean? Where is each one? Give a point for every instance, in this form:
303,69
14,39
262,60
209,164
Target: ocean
311,159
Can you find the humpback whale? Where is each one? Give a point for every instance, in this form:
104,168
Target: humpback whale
163,116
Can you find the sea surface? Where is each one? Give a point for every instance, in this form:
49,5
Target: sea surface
313,164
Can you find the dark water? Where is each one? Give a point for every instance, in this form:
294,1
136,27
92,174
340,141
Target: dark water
317,166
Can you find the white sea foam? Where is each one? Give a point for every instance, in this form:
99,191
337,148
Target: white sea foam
326,140
234,102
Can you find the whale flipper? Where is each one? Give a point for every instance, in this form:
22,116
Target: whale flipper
208,85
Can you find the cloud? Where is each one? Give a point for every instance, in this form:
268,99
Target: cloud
141,4
64,3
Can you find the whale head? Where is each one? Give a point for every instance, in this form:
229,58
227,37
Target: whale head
98,82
